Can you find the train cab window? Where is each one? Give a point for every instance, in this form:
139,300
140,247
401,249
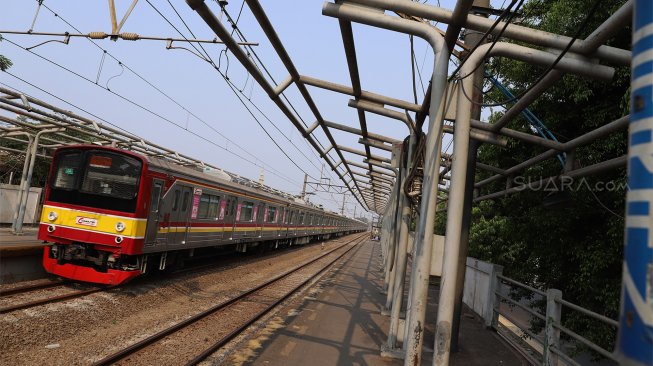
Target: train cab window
209,206
94,178
272,214
246,211
175,200
67,170
112,175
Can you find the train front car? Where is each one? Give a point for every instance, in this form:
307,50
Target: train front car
94,214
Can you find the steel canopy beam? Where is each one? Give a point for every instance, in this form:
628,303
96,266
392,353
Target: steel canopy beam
364,95
207,15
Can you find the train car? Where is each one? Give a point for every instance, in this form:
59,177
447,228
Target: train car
111,215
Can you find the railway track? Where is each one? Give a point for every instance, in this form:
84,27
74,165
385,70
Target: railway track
250,306
31,288
47,300
54,285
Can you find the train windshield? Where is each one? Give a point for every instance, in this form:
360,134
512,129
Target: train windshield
99,179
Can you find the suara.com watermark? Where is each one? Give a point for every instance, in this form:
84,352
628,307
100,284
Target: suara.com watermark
566,183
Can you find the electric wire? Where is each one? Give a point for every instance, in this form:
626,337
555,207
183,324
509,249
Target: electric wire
256,61
506,12
549,68
242,37
122,64
124,130
231,86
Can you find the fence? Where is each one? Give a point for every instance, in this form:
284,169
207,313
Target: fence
487,293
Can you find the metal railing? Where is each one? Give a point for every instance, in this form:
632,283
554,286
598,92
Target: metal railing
553,351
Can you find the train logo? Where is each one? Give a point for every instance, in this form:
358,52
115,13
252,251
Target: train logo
85,221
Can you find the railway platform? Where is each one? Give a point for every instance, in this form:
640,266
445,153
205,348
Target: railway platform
340,323
20,255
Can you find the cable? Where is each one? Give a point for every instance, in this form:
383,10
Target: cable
242,37
506,11
546,72
270,168
231,86
122,129
256,60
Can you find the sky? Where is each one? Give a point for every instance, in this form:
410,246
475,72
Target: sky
312,40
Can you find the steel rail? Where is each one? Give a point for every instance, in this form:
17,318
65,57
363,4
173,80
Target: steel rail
117,356
224,340
50,300
33,287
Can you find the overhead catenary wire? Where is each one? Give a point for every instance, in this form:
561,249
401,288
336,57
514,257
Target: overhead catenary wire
256,58
231,86
121,63
126,131
278,174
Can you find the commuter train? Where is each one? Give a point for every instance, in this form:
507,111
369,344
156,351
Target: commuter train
111,215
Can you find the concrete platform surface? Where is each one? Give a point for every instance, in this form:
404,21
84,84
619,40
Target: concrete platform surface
343,325
20,256
10,242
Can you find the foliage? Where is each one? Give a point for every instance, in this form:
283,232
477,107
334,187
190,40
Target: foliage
5,63
576,247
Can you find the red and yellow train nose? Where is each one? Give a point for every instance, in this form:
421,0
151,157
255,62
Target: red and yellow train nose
64,226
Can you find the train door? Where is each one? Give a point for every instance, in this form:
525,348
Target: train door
277,221
258,220
179,215
231,218
267,226
152,227
285,222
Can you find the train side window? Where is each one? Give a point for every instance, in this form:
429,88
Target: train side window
246,210
175,200
209,206
301,218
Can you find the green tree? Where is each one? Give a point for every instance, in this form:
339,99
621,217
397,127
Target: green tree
5,63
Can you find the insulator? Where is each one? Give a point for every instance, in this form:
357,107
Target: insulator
129,36
98,35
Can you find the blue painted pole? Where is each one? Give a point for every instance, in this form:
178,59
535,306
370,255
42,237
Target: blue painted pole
635,342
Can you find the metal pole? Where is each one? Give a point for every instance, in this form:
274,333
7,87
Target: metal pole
304,187
635,345
207,15
459,175
402,258
471,39
22,205
396,228
23,179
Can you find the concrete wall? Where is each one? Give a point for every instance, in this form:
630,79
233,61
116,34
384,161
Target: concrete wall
478,293
9,203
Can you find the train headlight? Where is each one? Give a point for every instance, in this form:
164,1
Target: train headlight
52,216
120,226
